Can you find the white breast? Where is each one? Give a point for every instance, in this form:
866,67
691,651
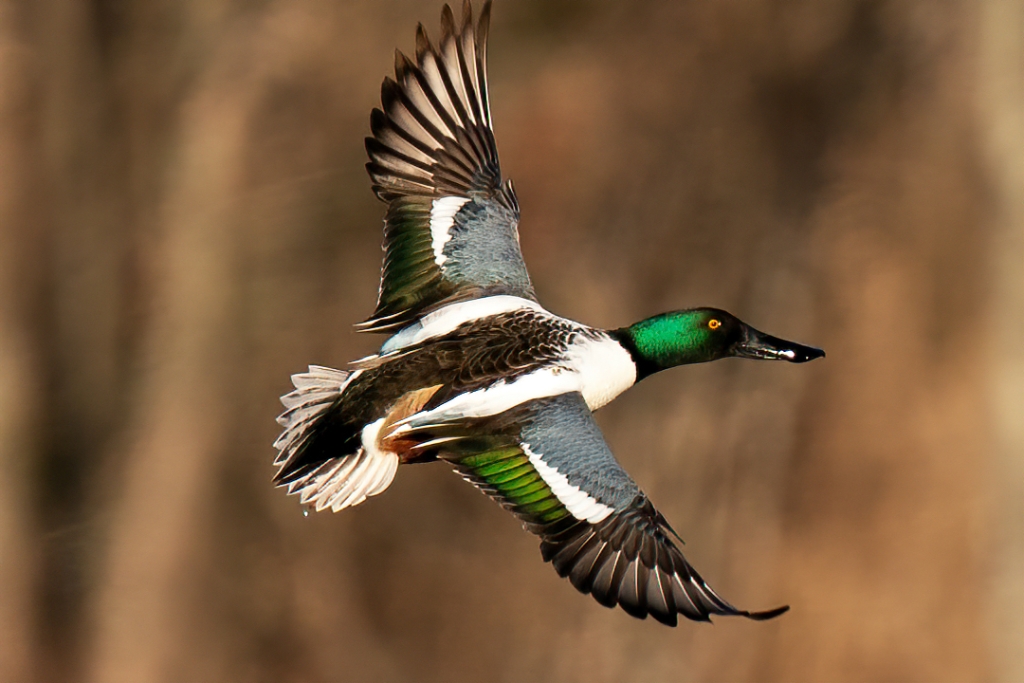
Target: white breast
604,368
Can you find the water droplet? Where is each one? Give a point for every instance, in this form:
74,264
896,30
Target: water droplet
305,512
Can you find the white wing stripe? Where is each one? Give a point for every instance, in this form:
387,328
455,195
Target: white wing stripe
582,507
442,217
444,320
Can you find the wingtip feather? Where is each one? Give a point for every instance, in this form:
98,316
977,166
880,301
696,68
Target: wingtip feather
767,614
423,45
447,23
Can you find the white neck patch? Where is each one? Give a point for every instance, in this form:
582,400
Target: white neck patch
604,367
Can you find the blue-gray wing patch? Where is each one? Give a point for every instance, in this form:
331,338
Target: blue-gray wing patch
547,463
451,228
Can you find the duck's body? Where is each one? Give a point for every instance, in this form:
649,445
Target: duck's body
475,367
477,373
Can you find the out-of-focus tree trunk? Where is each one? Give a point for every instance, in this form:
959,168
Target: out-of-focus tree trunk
22,281
89,337
1001,119
183,420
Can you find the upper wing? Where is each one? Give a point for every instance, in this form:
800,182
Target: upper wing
547,463
450,231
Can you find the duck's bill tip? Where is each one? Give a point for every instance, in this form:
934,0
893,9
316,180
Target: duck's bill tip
802,354
766,347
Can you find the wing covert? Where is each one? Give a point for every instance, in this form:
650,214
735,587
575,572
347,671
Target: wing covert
547,463
450,231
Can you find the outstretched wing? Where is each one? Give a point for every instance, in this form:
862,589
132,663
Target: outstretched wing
450,231
547,463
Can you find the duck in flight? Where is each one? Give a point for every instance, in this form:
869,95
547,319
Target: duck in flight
476,373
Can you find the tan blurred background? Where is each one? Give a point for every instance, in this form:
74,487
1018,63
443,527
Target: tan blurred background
185,221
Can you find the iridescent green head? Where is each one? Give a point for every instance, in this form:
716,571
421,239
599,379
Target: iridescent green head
699,335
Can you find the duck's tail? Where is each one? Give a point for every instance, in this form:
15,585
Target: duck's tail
327,462
325,459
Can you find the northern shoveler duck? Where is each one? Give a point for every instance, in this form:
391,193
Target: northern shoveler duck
477,373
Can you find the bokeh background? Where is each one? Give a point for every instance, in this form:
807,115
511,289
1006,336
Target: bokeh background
185,221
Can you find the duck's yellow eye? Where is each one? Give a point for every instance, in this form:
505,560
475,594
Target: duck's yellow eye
714,323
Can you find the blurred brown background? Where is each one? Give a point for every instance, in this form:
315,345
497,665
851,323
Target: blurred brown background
185,221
